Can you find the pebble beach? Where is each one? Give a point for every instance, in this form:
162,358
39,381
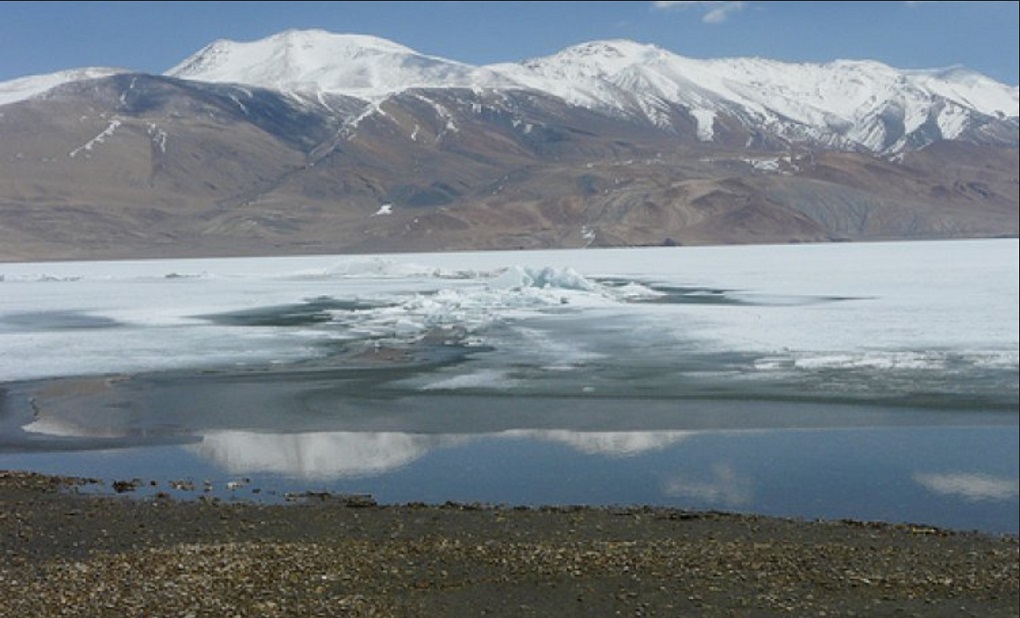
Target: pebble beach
65,553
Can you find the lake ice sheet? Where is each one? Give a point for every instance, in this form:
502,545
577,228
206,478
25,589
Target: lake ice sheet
873,381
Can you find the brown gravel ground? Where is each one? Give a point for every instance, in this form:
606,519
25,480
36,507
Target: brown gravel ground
63,554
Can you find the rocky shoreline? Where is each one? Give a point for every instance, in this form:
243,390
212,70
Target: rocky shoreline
63,554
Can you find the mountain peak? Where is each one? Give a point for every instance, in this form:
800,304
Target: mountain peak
601,57
355,43
292,59
313,61
611,48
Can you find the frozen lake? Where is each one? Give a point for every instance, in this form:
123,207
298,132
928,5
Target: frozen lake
863,381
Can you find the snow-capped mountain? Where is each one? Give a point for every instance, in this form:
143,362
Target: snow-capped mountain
309,141
314,61
844,104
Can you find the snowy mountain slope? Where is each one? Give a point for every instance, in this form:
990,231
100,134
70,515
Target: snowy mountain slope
844,104
27,87
315,61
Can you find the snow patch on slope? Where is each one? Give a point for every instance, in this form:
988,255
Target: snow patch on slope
158,136
99,139
706,123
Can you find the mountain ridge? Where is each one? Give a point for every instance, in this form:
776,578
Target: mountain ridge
846,104
664,150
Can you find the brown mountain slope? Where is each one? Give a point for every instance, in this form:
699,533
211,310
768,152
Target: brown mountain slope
143,166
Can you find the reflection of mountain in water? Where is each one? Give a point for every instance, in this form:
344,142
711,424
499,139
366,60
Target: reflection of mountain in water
325,455
609,443
317,455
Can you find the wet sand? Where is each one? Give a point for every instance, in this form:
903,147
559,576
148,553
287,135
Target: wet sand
65,553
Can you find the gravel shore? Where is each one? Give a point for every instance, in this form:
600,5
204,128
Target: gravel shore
63,554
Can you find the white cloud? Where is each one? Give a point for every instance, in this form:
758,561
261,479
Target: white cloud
972,487
716,11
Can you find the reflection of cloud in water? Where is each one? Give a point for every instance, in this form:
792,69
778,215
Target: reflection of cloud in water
487,378
318,454
972,487
611,443
352,454
724,487
67,429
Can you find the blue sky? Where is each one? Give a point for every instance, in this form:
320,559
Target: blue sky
43,37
